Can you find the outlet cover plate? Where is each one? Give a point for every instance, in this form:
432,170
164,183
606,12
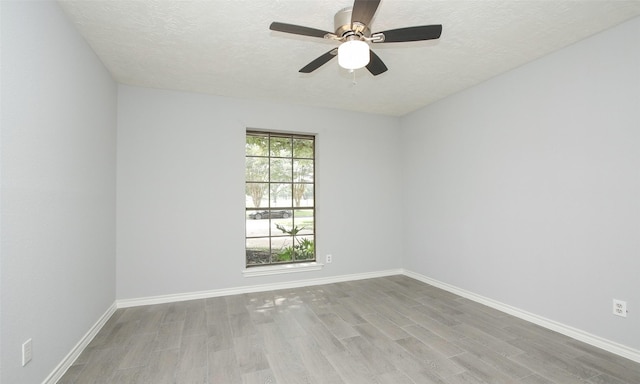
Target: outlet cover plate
27,352
619,308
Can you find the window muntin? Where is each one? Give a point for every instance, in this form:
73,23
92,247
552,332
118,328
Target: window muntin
280,198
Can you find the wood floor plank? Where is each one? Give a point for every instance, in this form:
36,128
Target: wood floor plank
71,376
386,309
427,377
401,359
174,312
287,367
219,332
393,331
536,334
434,341
265,376
432,360
223,367
325,339
193,354
605,379
216,305
195,323
138,350
444,331
250,353
121,333
305,316
236,304
338,327
476,367
486,326
347,313
546,369
150,321
288,324
375,360
162,367
241,324
315,362
480,336
465,377
612,368
129,375
493,359
351,369
402,299
613,362
564,362
395,377
535,379
274,339
102,366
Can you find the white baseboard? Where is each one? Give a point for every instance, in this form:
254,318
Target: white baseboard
71,357
252,288
596,341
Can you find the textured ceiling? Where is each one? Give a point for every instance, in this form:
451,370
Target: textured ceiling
225,47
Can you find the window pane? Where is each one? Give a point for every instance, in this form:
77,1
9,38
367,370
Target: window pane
281,170
257,169
281,249
281,195
303,148
256,223
304,248
303,195
256,195
282,223
303,219
303,170
280,146
257,145
258,251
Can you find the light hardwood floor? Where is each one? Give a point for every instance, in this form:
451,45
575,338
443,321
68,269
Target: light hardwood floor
385,330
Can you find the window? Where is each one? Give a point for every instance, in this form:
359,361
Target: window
280,198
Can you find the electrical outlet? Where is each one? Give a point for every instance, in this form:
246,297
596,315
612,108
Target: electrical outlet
619,308
329,259
27,352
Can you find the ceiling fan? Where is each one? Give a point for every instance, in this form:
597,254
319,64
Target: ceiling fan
353,32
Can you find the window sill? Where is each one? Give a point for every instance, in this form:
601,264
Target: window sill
280,269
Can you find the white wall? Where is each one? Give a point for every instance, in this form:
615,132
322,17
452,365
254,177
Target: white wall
525,189
58,188
180,214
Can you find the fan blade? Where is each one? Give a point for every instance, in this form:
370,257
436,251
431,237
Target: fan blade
320,61
423,32
376,66
363,11
297,30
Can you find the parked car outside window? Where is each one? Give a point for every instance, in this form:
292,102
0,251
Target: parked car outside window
270,215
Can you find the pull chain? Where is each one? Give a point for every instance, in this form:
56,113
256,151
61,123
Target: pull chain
353,82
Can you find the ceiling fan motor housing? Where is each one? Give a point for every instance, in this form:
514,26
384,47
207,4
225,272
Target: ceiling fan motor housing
344,27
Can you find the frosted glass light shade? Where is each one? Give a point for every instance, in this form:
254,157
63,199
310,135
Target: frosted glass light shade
353,54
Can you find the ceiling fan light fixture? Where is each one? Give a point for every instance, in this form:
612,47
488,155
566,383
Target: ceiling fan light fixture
353,54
